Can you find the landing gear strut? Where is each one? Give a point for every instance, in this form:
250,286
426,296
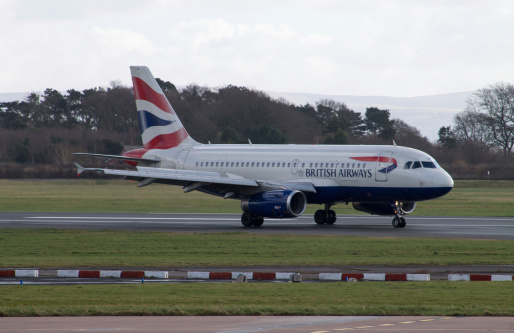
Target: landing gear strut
398,220
249,220
325,216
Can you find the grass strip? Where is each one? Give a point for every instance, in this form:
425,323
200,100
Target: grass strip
45,248
468,198
437,298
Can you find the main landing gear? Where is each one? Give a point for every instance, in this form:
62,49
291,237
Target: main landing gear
249,220
325,216
398,220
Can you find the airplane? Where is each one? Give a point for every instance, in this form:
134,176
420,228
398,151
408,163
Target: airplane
275,181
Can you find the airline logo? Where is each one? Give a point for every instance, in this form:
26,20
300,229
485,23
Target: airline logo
160,126
392,163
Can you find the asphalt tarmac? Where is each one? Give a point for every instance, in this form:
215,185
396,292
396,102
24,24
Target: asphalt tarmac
239,324
498,228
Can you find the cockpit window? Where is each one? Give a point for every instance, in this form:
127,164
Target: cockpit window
428,164
407,165
416,165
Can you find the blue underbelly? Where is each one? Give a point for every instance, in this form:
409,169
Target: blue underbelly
374,194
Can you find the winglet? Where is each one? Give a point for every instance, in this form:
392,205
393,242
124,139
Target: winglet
80,168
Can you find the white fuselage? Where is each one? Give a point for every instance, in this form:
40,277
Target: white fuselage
339,173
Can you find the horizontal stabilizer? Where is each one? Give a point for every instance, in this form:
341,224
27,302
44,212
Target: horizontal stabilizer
120,157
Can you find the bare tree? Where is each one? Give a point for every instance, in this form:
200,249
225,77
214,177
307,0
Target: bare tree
497,101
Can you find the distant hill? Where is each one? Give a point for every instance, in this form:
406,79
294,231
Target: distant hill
427,113
9,97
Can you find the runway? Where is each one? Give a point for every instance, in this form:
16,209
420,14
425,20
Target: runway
498,228
230,324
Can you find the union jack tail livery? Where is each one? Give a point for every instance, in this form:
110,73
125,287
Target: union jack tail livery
160,126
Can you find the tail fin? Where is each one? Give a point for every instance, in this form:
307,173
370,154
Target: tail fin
160,126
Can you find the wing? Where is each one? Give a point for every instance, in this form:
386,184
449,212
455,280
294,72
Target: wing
144,173
192,180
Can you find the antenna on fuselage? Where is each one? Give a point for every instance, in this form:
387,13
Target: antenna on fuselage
394,143
249,142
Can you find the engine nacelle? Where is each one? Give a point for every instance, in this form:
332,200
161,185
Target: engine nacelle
276,203
381,208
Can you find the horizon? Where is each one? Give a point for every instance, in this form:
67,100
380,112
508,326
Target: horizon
440,113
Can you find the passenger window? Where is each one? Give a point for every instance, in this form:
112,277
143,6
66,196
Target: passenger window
212,164
332,165
364,166
348,166
288,164
311,165
316,165
232,164
253,164
263,164
273,164
201,164
407,165
358,166
428,164
217,163
416,165
303,165
237,164
247,164
284,164
221,164
353,165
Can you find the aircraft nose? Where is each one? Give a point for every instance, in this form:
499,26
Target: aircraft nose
443,179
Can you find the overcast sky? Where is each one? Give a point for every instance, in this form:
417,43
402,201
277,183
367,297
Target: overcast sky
392,48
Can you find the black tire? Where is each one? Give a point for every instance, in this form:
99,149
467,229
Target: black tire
258,221
247,219
396,222
403,223
319,217
332,217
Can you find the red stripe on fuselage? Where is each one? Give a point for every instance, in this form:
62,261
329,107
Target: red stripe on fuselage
375,159
144,92
165,141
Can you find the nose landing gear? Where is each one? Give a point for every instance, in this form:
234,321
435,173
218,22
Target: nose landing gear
398,220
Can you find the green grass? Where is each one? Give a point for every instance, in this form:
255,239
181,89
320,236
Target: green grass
468,198
76,248
363,298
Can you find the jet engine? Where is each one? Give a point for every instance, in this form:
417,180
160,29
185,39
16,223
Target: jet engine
381,208
276,203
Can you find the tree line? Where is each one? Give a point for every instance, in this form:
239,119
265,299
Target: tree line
44,129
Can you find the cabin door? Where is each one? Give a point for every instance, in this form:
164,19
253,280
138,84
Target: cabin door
382,168
181,158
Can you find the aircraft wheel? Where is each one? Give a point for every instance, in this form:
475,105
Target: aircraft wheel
403,223
258,221
246,219
319,217
332,217
396,222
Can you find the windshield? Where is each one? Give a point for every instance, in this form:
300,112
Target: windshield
420,164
